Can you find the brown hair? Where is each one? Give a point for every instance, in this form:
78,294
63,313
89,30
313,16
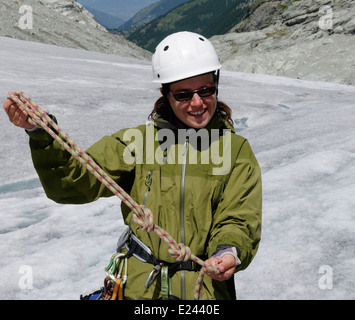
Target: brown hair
162,107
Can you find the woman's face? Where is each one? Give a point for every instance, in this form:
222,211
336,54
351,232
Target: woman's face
197,112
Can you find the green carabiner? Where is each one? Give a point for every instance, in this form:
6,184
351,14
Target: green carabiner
109,265
165,283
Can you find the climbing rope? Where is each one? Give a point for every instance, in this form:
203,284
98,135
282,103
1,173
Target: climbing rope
141,214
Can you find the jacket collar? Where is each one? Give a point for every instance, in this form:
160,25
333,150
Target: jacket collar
216,123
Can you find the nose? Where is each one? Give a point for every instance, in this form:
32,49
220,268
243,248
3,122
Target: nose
196,100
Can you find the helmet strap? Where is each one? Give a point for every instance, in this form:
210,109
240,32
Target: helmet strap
217,82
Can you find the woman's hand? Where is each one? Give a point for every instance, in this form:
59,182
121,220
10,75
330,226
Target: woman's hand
16,115
225,264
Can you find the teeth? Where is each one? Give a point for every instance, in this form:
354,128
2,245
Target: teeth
197,113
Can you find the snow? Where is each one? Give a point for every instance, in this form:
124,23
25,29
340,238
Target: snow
302,133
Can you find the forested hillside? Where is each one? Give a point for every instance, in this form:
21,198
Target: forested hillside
208,17
150,13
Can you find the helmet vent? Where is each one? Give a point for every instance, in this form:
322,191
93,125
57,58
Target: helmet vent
201,39
166,48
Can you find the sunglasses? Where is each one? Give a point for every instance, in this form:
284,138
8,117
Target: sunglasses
187,95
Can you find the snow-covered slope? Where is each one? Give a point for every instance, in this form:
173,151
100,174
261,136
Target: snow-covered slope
302,133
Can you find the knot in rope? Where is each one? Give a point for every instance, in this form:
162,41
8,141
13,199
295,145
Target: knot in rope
211,268
144,218
180,252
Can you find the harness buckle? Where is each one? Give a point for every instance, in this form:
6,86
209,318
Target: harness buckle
153,275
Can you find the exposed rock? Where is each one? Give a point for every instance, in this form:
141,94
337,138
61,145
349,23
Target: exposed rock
312,40
264,17
62,23
73,10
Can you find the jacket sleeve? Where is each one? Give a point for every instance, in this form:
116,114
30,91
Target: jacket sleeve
65,180
237,220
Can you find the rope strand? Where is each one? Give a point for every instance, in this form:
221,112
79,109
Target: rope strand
141,214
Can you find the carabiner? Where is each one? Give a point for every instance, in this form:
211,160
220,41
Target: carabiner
153,275
114,269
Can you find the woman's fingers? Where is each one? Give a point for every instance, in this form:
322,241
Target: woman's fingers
16,115
225,265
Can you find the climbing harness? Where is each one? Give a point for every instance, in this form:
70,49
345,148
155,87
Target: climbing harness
141,214
161,268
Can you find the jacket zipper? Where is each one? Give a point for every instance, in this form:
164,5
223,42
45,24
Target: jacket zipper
182,218
148,182
221,189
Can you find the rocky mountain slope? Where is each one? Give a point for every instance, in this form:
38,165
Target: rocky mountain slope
306,39
63,23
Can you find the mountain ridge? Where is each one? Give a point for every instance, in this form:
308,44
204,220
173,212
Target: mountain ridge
108,21
62,23
207,17
150,13
120,8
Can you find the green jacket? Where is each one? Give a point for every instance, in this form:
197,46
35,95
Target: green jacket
202,201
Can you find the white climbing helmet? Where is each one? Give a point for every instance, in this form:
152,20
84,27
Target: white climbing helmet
183,55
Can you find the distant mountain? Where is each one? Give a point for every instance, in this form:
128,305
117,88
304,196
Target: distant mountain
107,20
150,13
208,17
124,9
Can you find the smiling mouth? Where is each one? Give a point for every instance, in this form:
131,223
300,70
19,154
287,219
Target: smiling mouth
198,113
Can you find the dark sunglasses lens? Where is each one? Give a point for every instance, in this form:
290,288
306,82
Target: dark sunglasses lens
186,96
183,96
206,92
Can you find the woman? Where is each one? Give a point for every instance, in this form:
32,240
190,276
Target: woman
209,202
